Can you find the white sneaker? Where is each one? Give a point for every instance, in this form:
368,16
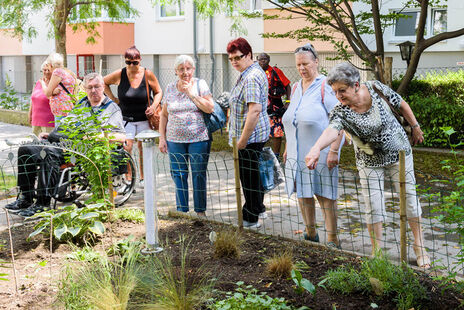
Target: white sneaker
142,183
122,190
262,215
251,225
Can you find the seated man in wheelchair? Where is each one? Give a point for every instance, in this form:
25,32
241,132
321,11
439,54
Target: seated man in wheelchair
40,164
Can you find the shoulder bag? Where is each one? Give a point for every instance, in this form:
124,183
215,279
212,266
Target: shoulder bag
215,120
153,118
403,122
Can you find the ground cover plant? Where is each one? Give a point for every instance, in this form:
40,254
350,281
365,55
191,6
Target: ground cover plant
191,263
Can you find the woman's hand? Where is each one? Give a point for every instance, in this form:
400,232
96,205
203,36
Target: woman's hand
417,135
150,110
56,91
332,159
312,158
163,146
186,87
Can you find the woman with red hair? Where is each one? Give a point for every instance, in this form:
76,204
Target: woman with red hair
249,123
133,97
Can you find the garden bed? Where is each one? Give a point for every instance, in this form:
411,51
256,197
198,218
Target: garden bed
38,270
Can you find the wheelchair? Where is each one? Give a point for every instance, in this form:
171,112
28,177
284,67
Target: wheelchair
73,183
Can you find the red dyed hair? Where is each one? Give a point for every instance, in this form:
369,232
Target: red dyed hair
132,53
241,45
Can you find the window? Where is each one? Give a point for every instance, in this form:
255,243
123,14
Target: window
439,21
406,26
249,5
175,9
85,64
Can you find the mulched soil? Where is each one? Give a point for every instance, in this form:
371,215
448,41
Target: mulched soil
37,285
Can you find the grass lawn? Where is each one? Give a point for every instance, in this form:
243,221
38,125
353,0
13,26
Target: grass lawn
7,181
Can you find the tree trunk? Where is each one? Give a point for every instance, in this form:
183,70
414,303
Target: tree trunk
61,16
410,71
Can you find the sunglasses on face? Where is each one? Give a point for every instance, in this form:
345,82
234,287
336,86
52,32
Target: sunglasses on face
132,62
236,58
306,49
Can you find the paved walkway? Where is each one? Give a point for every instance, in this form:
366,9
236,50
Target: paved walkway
284,216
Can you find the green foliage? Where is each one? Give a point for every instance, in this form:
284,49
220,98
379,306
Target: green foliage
7,181
451,211
121,247
129,214
10,100
247,297
3,265
99,283
380,276
168,282
302,284
84,134
85,254
438,101
72,223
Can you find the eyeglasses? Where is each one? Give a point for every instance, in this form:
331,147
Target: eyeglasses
132,62
236,58
97,87
306,48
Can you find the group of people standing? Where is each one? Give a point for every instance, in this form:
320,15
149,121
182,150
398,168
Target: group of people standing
314,118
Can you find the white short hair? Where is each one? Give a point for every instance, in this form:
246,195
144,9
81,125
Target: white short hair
181,59
92,76
43,65
56,60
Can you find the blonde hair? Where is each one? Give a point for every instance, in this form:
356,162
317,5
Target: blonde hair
43,65
56,60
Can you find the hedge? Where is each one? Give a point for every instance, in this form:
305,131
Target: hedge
437,101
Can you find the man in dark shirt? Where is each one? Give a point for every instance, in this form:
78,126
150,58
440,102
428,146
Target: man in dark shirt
41,163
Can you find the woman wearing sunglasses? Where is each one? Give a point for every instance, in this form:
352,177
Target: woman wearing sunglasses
132,97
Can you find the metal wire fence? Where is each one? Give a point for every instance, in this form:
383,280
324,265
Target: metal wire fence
284,216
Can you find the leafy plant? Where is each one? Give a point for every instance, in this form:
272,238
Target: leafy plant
380,276
71,222
247,297
129,214
280,265
10,100
85,254
121,247
302,284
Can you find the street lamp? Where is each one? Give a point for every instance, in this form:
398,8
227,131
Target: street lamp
406,49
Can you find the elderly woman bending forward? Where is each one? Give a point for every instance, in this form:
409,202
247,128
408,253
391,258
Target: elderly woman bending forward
184,134
378,138
304,121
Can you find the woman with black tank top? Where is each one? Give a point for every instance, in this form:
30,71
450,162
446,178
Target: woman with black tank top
132,97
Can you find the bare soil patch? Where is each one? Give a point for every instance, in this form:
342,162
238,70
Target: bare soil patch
37,284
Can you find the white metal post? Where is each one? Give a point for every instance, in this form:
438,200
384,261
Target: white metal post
151,200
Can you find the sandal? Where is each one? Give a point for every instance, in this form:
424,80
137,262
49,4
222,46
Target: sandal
313,239
423,260
332,244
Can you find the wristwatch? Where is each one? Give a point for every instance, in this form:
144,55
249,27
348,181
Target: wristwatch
416,125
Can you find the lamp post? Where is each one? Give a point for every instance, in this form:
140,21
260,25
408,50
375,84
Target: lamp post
406,49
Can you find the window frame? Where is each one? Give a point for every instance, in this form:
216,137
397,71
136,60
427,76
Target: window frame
180,7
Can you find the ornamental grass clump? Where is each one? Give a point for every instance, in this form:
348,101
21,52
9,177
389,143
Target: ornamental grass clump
280,265
227,244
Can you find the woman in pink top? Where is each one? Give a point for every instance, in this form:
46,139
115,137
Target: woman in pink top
40,115
60,88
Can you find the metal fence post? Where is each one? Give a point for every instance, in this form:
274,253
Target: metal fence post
238,194
403,219
151,213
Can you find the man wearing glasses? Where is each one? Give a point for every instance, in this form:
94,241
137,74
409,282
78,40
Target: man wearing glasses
249,123
42,163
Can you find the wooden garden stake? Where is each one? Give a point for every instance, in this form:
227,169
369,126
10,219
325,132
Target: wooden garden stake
403,218
11,250
238,194
51,245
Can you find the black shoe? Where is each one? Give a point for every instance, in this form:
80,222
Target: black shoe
35,208
20,204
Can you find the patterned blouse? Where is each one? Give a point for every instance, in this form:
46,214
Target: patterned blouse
185,120
62,102
251,86
377,135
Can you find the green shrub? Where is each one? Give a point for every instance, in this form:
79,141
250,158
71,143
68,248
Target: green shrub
380,276
249,298
129,215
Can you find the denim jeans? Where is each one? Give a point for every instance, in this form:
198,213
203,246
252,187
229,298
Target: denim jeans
179,155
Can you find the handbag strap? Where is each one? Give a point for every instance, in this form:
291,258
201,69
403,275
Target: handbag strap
395,113
65,89
146,84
